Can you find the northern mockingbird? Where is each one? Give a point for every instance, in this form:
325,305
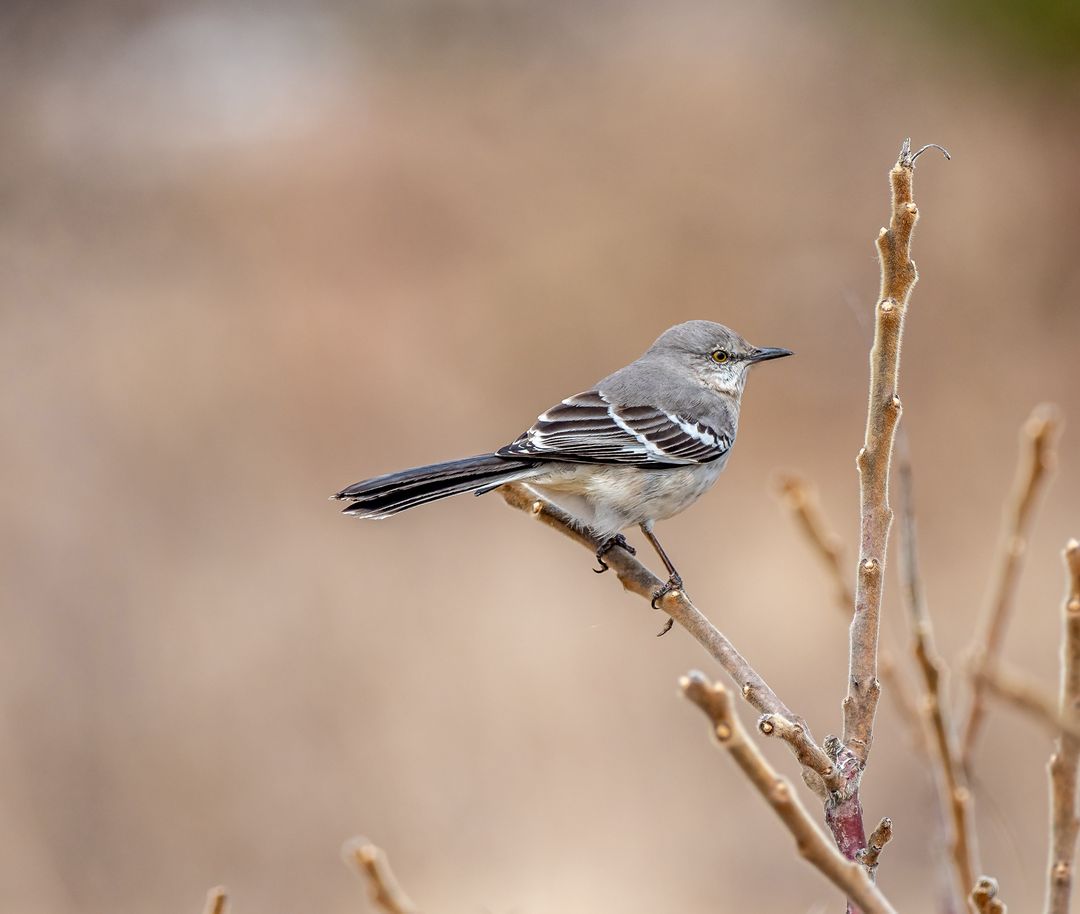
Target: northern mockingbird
640,446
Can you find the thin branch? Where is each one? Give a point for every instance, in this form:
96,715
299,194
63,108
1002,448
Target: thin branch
956,798
1037,460
1065,762
1032,697
875,844
370,861
636,578
215,900
809,754
839,788
984,897
800,499
898,276
812,843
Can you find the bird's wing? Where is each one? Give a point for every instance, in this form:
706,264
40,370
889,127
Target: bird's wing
589,428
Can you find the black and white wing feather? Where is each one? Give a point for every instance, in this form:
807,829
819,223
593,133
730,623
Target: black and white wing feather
588,428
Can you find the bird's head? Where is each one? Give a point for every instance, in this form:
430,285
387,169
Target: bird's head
717,356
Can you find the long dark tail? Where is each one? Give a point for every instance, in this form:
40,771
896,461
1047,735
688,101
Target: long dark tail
395,492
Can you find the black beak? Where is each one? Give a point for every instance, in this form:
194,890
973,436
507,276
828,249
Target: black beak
763,355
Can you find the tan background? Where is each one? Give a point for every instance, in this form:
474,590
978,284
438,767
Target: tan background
249,255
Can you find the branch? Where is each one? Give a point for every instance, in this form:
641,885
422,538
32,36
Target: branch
875,844
955,797
809,754
215,900
1037,460
1065,762
798,495
834,785
636,578
851,878
898,276
1032,697
370,861
984,897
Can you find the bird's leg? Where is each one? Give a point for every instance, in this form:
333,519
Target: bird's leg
607,545
674,581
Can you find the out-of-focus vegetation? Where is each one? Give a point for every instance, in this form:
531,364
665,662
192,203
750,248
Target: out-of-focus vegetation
1040,34
249,254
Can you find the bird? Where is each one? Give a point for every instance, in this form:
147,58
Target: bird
638,447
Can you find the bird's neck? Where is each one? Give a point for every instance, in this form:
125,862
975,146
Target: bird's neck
728,387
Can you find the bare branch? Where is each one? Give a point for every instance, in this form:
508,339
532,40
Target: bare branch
1029,696
984,897
843,811
879,837
809,753
898,276
1065,762
215,900
811,841
1037,460
370,861
956,799
636,578
799,496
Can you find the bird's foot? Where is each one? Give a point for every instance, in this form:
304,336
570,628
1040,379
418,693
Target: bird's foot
606,546
673,583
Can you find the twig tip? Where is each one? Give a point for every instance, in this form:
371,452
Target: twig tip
215,900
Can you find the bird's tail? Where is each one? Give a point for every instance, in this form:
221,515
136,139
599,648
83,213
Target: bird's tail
395,492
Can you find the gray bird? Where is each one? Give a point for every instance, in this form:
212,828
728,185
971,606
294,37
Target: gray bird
640,446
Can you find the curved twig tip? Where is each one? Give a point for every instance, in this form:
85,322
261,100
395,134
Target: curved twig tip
942,149
907,157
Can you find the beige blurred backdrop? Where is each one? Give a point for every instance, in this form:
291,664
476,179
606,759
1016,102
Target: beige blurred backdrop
254,252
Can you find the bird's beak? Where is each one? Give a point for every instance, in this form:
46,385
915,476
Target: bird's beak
763,355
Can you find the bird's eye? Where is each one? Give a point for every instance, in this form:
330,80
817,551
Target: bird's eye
720,356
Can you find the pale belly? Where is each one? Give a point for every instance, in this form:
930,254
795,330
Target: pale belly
608,499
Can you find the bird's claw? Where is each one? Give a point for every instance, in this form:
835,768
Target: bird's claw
673,583
606,546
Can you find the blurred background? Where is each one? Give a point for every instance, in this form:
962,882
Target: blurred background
251,253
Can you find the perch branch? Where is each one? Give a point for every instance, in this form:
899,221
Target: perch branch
984,897
215,900
799,497
636,578
809,754
370,861
956,798
1065,762
1037,459
898,276
813,845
